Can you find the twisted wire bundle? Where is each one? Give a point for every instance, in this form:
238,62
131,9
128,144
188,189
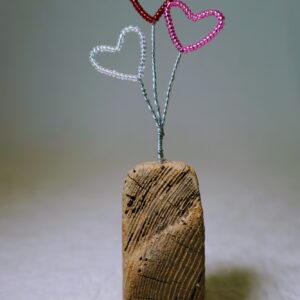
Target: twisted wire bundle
155,109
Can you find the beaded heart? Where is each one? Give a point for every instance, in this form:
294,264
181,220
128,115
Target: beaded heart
193,17
145,15
113,73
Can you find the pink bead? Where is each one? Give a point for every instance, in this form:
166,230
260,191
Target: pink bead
193,17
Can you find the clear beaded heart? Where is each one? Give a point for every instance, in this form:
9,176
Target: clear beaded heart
113,73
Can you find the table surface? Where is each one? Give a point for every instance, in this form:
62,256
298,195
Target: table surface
61,238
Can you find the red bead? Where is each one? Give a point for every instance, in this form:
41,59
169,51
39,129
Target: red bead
145,15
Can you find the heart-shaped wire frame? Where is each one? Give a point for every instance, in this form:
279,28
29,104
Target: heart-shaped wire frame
113,73
147,17
193,17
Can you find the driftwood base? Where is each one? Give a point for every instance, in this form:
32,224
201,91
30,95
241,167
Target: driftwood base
163,233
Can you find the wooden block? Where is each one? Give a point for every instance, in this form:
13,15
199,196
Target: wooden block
163,233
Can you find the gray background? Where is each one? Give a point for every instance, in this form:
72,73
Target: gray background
68,136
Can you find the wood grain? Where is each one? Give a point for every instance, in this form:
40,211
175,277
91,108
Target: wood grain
163,233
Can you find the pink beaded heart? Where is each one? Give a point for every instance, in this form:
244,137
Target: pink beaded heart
193,17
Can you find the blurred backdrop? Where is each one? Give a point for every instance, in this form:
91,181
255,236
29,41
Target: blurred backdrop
68,136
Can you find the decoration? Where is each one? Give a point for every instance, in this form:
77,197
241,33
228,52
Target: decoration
158,115
195,17
118,48
145,15
162,222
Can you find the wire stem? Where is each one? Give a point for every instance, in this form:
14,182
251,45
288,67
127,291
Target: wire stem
160,139
156,111
154,74
170,86
145,95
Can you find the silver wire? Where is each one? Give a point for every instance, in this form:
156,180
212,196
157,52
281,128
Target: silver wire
145,95
156,113
154,74
170,86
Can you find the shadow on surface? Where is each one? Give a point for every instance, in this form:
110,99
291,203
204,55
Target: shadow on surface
235,284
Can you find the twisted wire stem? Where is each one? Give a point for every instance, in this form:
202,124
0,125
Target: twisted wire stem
175,67
159,119
146,98
154,74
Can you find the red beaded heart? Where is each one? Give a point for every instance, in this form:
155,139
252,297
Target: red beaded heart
145,15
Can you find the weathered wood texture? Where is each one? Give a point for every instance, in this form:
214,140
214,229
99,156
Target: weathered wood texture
163,233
